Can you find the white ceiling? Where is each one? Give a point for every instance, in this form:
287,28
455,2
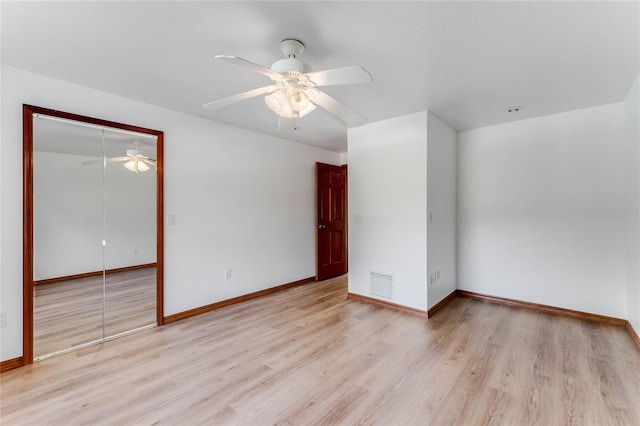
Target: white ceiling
464,61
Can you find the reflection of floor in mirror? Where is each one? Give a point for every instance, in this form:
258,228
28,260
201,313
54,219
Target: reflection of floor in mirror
70,313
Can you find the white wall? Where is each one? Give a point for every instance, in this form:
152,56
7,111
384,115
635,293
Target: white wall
67,216
343,158
441,205
534,198
69,219
130,216
388,192
242,200
631,211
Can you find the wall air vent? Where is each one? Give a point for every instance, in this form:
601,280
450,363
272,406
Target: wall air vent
381,285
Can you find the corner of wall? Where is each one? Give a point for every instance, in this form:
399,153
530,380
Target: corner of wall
632,201
531,213
387,207
441,206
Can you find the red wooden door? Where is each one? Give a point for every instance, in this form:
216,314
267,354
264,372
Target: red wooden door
331,220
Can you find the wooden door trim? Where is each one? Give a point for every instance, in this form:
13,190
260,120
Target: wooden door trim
27,214
346,217
27,234
159,227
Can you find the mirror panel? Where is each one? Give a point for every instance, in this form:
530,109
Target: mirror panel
130,232
67,235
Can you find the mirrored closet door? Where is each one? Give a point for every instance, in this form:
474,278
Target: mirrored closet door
94,210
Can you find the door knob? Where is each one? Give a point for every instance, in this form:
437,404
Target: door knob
320,226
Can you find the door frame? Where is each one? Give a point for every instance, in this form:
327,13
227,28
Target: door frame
27,214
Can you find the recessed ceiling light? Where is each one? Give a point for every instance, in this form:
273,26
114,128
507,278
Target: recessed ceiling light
514,109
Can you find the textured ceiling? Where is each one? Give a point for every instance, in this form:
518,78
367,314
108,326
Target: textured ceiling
464,61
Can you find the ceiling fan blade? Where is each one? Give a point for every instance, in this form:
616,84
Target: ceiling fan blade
148,161
240,97
250,65
348,75
285,125
345,114
101,160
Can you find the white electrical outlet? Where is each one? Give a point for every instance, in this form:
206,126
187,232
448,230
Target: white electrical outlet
171,219
227,274
3,319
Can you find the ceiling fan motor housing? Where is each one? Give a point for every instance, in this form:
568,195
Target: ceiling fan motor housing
290,65
291,49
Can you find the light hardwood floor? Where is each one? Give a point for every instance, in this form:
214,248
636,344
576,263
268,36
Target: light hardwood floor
70,313
309,356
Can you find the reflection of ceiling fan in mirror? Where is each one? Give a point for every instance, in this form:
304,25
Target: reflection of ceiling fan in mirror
135,160
293,91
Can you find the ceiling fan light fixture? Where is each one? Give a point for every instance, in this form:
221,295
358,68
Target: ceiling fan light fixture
310,107
131,165
142,167
278,102
136,166
298,100
290,103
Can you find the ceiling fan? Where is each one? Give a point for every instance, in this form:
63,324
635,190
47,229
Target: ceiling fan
293,90
134,159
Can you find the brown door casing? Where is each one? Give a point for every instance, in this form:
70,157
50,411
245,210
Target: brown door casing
27,213
331,221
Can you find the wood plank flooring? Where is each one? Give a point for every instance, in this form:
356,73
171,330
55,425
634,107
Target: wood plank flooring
308,356
70,313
